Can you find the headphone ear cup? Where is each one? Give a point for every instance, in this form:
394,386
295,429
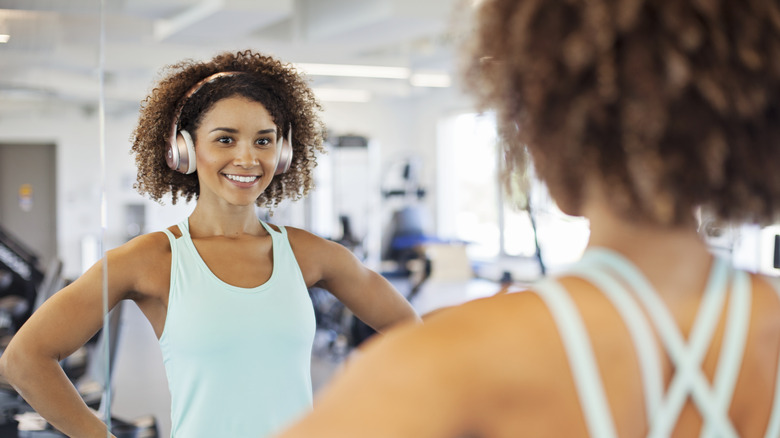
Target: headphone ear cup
172,154
186,148
284,154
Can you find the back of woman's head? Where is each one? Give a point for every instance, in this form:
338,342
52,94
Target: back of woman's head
672,103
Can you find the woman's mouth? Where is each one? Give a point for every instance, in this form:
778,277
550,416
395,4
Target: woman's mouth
243,180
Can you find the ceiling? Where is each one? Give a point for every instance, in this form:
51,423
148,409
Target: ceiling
53,56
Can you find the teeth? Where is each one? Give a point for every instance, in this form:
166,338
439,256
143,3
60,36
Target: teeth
243,179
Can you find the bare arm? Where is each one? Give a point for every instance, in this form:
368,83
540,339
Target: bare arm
60,326
399,386
333,267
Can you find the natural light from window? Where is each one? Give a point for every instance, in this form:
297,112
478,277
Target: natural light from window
472,208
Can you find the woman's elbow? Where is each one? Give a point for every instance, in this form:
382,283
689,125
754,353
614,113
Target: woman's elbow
3,365
403,317
9,363
15,363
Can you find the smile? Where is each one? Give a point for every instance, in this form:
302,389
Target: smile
241,178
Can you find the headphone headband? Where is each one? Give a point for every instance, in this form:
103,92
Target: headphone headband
194,89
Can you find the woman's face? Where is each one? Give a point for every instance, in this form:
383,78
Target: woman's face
235,148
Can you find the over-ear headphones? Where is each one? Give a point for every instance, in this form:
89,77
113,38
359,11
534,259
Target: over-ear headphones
284,152
180,151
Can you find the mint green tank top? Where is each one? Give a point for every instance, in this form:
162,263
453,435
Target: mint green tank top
237,359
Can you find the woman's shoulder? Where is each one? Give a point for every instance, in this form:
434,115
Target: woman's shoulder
504,347
520,328
516,327
143,250
765,312
148,254
306,242
520,313
297,233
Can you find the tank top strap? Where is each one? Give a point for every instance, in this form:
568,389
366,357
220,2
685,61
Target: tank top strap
282,231
582,362
184,227
773,426
171,237
689,379
172,240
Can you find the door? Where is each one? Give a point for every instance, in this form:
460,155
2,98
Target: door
28,208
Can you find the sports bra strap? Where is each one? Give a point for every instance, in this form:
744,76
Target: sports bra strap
640,331
689,379
582,362
732,351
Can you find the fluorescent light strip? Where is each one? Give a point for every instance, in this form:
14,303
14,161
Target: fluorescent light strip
4,38
342,95
439,80
420,79
357,71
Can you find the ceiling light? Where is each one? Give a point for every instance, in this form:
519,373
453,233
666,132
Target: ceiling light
4,38
358,71
430,80
342,95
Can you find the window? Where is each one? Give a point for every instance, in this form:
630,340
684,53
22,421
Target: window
472,207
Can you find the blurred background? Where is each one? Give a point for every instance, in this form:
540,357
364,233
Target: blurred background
409,182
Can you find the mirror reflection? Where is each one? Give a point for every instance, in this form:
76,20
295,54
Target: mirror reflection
404,194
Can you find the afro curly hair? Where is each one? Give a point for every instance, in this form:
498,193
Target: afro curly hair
672,104
264,79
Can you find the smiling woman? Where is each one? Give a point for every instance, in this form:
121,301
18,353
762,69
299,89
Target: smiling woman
225,293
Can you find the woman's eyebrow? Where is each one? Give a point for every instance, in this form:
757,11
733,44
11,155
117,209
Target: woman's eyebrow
234,130
230,130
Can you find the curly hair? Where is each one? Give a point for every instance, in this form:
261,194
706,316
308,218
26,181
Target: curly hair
277,86
673,104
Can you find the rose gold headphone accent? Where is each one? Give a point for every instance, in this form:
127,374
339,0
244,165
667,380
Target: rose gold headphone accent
284,153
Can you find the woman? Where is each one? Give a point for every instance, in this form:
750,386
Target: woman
225,292
636,114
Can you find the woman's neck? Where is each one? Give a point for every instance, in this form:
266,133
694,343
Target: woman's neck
611,230
227,222
674,258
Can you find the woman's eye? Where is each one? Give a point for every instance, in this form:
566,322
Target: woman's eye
225,140
263,141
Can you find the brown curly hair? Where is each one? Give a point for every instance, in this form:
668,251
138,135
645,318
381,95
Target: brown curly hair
673,104
277,86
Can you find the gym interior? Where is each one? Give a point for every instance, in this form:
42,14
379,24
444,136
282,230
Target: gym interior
409,182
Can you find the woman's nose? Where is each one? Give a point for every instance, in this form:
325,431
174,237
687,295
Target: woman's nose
246,156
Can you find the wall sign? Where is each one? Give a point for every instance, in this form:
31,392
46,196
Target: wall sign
25,197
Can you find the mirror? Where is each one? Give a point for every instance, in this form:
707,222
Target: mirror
51,226
50,101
